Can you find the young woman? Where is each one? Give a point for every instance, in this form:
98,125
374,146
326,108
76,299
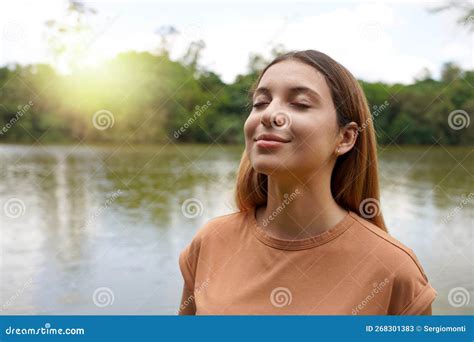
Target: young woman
309,237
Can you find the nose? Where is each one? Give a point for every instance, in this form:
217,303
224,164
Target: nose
265,118
275,117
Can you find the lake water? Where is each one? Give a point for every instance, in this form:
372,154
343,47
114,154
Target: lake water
98,229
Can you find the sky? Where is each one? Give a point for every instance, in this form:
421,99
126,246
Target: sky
377,41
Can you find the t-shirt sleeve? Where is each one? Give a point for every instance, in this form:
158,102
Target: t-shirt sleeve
412,293
189,258
187,267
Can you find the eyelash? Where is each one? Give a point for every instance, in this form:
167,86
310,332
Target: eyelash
259,104
299,105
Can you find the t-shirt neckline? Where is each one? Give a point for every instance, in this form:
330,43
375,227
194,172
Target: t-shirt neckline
293,245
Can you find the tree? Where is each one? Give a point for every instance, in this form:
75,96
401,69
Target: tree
466,9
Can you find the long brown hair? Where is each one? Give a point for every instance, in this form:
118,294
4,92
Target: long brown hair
354,180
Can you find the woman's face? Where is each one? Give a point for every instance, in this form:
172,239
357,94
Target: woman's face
293,104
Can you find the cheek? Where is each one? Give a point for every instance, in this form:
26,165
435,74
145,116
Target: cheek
249,127
315,133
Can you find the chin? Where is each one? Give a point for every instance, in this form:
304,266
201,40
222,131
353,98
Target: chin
269,165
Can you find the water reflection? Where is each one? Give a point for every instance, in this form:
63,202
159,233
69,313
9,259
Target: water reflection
111,217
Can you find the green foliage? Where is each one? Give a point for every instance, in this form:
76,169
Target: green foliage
419,113
153,99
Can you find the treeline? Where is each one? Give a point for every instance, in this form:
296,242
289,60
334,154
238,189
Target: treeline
149,98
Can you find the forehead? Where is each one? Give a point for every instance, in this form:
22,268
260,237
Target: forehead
293,73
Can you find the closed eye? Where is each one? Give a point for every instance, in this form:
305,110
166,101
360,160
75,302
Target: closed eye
300,105
259,104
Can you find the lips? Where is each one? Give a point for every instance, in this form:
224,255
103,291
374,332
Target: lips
270,141
271,137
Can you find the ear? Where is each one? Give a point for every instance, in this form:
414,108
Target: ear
347,138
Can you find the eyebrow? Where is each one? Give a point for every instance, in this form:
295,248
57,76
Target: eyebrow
293,90
261,90
306,90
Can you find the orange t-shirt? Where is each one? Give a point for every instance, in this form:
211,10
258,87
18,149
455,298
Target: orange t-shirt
233,267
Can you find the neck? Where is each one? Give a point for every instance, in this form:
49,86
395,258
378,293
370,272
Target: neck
297,210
